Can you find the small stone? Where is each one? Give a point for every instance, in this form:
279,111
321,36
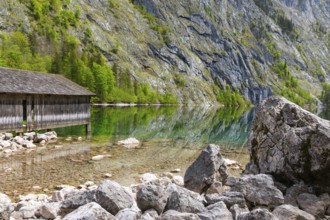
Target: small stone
79,139
98,157
216,187
148,177
89,183
168,174
176,170
68,139
107,175
49,211
43,142
36,187
178,180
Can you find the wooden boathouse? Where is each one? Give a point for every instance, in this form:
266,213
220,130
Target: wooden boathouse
33,101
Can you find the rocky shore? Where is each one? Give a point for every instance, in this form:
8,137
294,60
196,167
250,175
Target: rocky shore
287,178
10,143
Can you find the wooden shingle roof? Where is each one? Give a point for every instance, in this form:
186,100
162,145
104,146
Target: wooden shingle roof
29,82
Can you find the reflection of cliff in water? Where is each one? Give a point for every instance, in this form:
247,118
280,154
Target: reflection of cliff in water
185,125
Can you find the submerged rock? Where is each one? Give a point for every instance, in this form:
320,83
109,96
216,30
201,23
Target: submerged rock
208,168
291,144
129,142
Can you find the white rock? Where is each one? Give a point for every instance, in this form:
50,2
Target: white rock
100,157
7,151
19,140
107,175
28,144
178,180
89,183
8,136
29,136
4,199
176,170
79,139
129,142
43,142
5,144
148,177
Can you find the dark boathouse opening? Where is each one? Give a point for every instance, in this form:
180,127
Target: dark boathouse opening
34,101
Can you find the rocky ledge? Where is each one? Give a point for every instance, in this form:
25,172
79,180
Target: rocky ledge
273,187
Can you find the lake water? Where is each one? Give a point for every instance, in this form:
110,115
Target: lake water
171,138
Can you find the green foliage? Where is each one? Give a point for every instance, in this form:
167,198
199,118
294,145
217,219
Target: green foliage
271,47
208,11
325,96
179,81
154,24
291,89
231,98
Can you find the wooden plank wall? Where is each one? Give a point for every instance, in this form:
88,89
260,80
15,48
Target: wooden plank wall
43,111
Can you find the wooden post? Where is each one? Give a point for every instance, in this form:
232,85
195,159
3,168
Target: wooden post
88,131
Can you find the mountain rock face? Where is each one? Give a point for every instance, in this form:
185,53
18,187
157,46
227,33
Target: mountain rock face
195,47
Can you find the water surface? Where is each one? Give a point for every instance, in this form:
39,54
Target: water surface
171,137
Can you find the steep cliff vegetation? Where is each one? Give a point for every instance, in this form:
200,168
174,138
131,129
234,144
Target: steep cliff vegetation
153,51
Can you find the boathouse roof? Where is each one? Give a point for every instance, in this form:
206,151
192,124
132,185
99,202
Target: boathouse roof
29,82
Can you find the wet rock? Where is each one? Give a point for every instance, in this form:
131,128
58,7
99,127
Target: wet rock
76,199
152,197
113,197
259,190
89,211
100,157
128,214
172,214
312,204
183,200
148,177
208,168
257,214
216,211
291,144
236,210
289,212
229,198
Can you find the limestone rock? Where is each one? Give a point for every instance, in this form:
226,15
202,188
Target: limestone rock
289,212
90,211
113,197
208,168
76,199
5,144
150,214
49,211
40,137
148,177
152,197
175,215
290,143
257,214
259,190
4,199
128,214
5,211
183,200
293,192
312,204
236,211
216,211
229,198
129,143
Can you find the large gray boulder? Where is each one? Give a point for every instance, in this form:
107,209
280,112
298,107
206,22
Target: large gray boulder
259,190
152,197
76,199
183,200
113,197
208,168
290,143
89,211
289,212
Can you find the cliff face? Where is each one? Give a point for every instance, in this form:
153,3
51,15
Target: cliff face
191,47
